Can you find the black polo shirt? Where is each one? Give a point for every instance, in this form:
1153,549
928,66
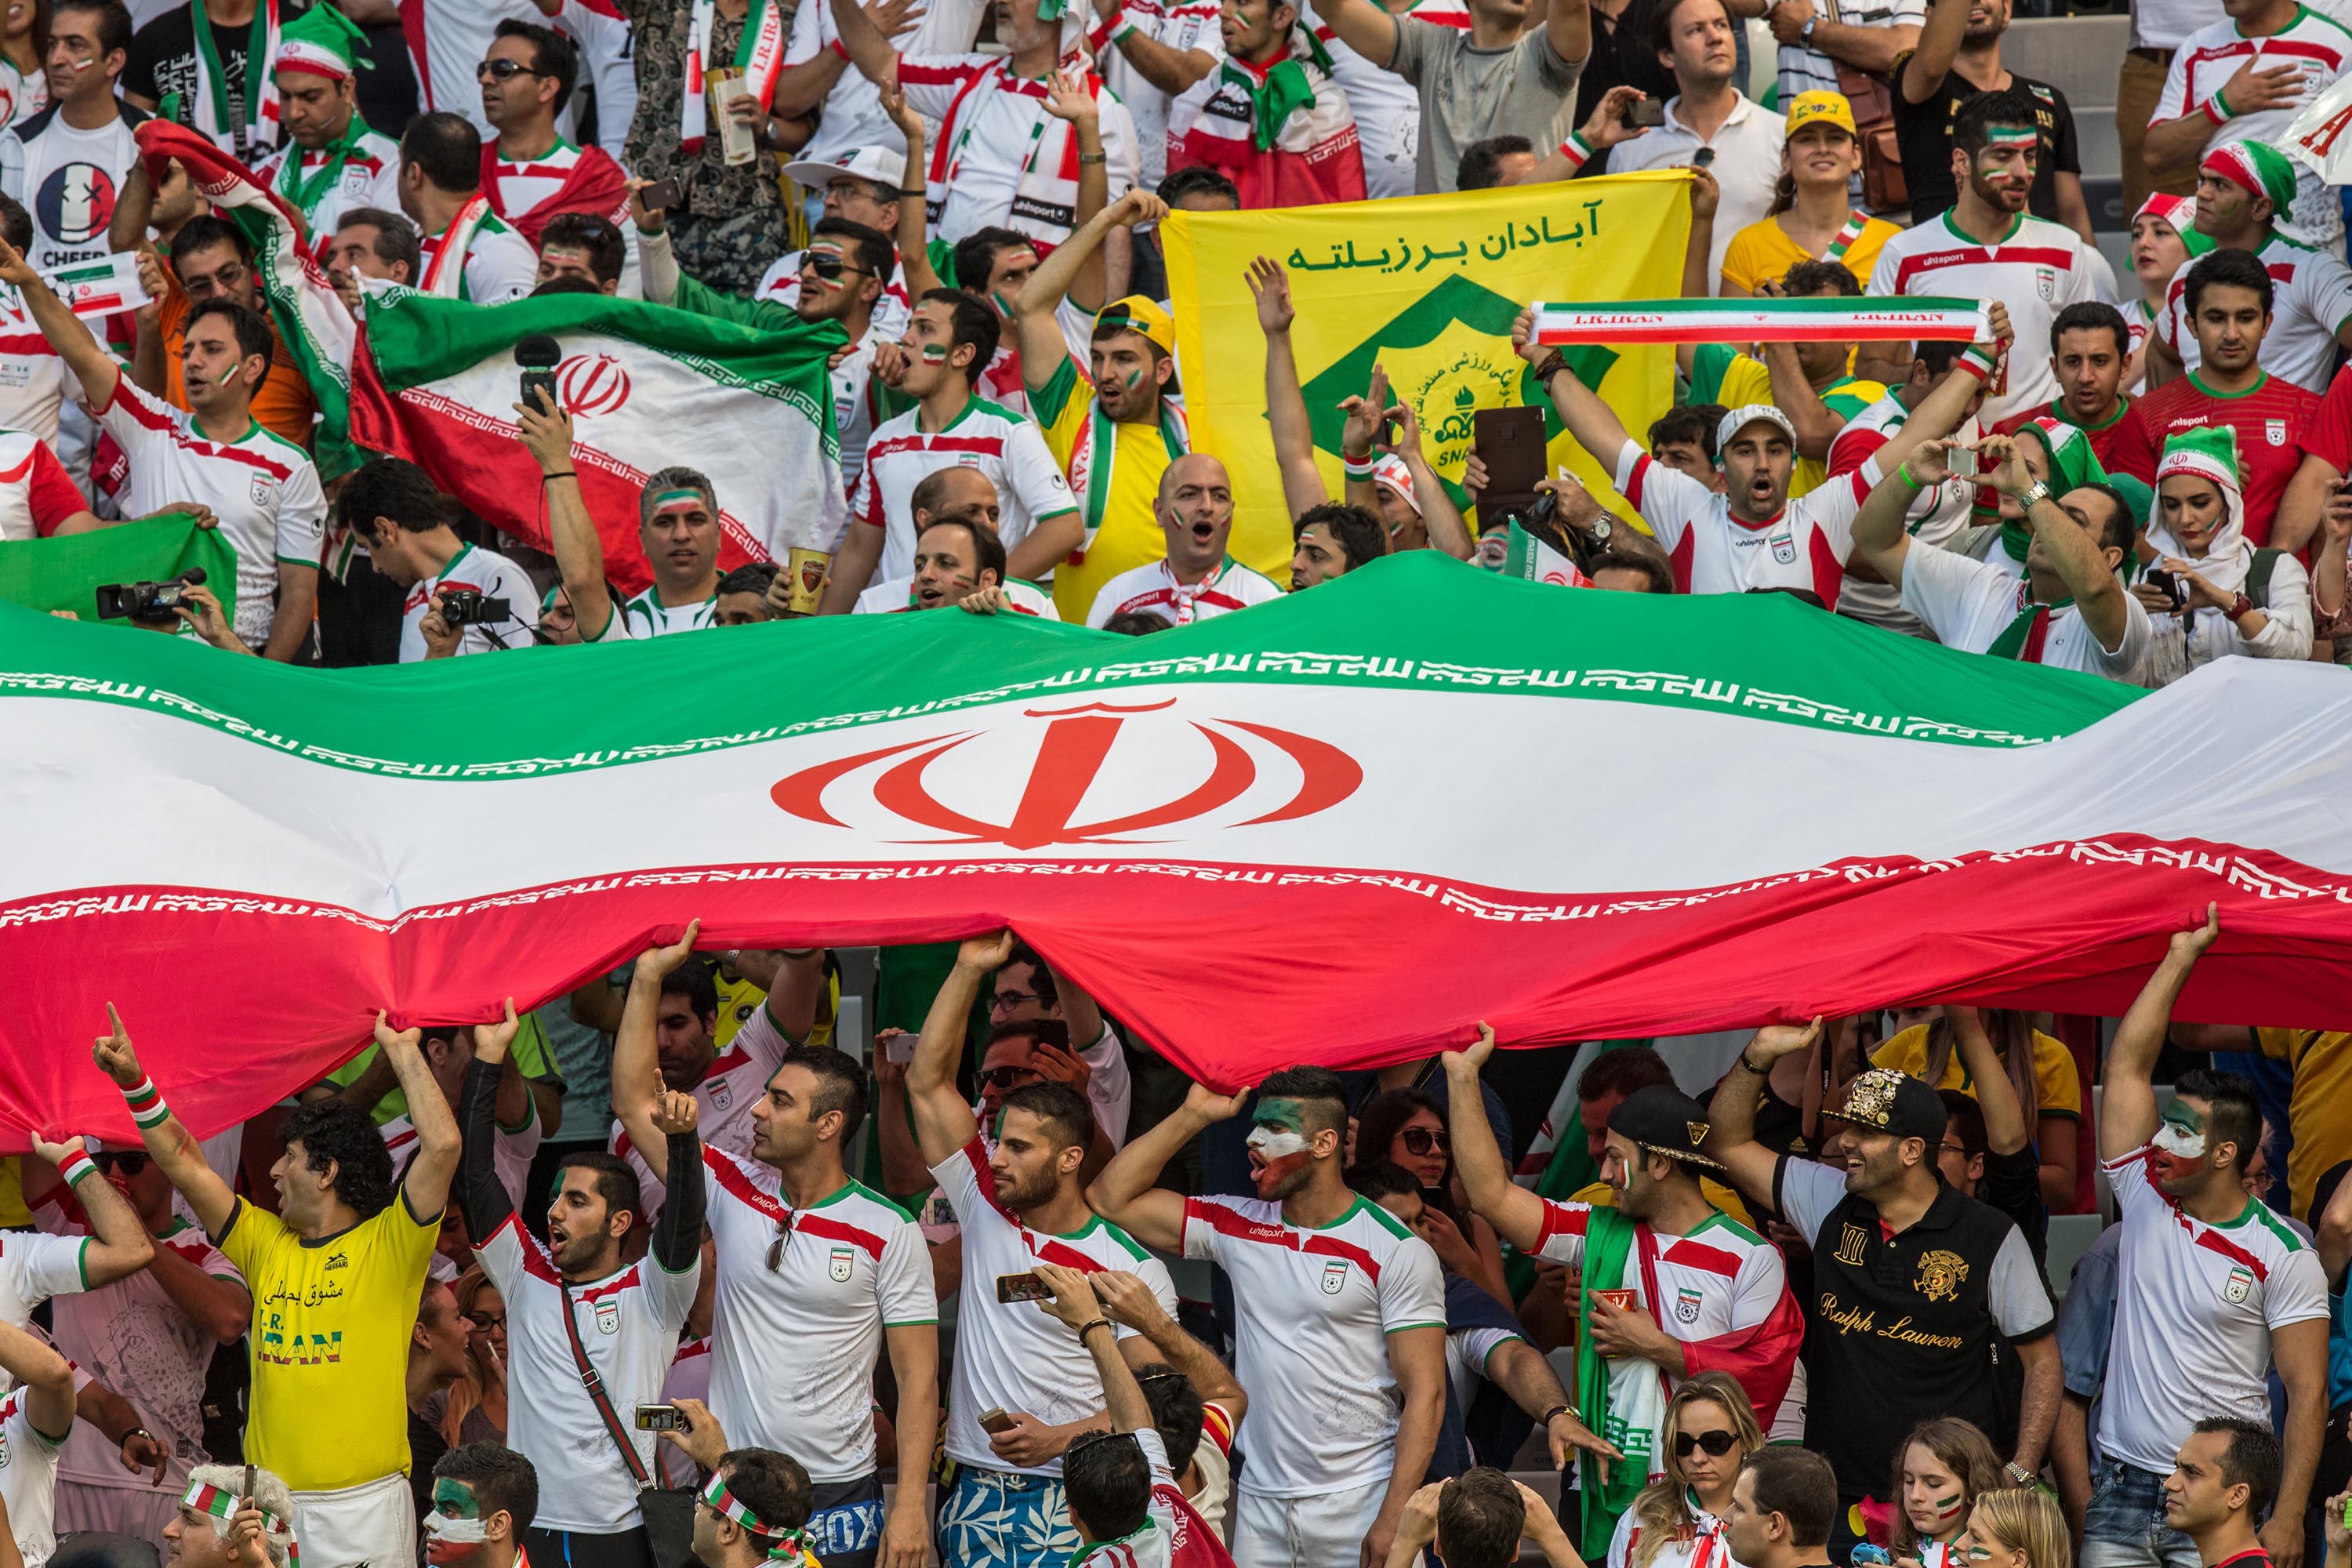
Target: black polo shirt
1906,1326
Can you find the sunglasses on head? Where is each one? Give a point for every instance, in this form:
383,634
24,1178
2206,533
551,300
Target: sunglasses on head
130,1162
1422,1140
1718,1443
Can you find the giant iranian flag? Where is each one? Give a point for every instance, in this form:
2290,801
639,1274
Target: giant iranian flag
646,386
1339,827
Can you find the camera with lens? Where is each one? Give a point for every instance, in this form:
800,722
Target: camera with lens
146,600
469,607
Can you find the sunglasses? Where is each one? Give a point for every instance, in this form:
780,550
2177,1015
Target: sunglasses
1011,1077
783,1239
503,70
1718,1443
830,268
1422,1139
128,1161
1004,1000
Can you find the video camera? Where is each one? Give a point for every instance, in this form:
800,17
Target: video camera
146,600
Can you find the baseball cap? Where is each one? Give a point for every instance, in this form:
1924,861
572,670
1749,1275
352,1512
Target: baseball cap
1822,109
1140,314
1663,1119
1389,470
880,165
1895,1102
1748,413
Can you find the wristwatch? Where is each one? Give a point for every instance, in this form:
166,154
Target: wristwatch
1805,33
1555,1413
2018,1473
2039,490
2239,607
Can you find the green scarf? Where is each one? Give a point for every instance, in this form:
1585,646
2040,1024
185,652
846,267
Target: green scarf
2026,634
1609,1488
213,74
1284,88
306,193
2072,466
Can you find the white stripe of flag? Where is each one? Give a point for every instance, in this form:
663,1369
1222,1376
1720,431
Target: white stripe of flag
1761,321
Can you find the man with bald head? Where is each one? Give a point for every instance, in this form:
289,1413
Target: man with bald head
1196,578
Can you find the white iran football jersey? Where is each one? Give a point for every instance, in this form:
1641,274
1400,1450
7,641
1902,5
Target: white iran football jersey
33,374
1315,1309
35,492
1005,447
1969,604
1016,1356
2317,46
260,486
488,574
2311,298
28,1481
2194,1307
737,1077
644,616
1803,545
370,177
628,1324
608,61
853,1265
2037,269
1152,589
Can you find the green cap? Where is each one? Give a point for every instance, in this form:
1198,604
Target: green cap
321,41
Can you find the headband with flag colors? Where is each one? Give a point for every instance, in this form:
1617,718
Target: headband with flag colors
2262,170
323,42
205,1498
2180,212
1390,470
1765,320
2210,452
782,1542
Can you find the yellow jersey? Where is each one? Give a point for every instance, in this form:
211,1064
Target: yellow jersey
2056,1081
330,1342
2321,1132
1115,491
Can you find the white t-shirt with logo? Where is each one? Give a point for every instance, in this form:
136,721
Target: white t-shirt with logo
1004,446
1969,604
68,180
1152,589
1016,1356
2196,1305
733,1084
494,577
33,374
853,1266
628,1324
1315,1309
644,616
1803,545
2037,269
370,178
2318,48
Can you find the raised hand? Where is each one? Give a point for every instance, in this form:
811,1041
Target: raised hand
546,431
676,1112
1472,1058
657,962
491,1040
113,1052
1269,285
2190,944
1073,1300
989,953
649,220
1126,1300
1068,98
1366,415
1774,1041
1211,1106
1137,206
1606,127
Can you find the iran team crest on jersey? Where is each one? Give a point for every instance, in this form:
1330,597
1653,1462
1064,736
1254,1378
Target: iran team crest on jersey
1784,547
608,1316
1335,1275
2046,279
2274,432
1686,1302
2240,1285
261,483
837,1265
722,1094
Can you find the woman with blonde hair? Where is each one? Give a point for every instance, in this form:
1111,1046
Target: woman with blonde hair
1677,1521
1942,1467
2017,1526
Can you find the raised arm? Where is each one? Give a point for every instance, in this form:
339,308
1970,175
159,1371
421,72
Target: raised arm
546,432
869,49
2004,1115
119,1245
2079,561
636,1070
481,1196
1940,412
1940,45
92,366
677,1233
1593,422
1602,130
1128,1300
1364,27
914,215
1043,350
1569,28
1073,1303
943,1122
1286,404
1440,518
1881,532
1731,1115
1124,1193
170,1144
1172,71
1516,1214
427,1185
2127,1116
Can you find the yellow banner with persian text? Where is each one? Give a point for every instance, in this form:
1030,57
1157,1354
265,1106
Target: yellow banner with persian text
1426,287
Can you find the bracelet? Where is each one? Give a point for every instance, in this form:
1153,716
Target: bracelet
1091,1324
1903,472
2218,109
146,1103
1976,362
1551,365
134,1432
566,474
2239,608
76,1165
1555,1413
1094,158
1357,470
918,193
1751,1066
1123,27
1575,149
838,48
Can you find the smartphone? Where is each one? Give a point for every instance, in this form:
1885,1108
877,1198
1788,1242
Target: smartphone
1510,442
1022,1287
2159,578
660,1418
995,1419
1648,113
659,197
900,1047
1964,462
539,355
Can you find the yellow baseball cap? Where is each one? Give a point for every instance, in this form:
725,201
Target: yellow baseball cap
1821,108
1138,314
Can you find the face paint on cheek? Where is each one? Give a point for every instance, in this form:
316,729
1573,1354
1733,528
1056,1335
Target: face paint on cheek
1948,1506
2182,1133
1134,379
450,1538
934,353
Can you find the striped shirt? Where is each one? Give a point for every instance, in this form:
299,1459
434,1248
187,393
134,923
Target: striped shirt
1153,590
1803,545
1006,447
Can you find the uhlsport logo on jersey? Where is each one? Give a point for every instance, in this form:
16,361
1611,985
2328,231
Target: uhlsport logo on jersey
1094,772
590,384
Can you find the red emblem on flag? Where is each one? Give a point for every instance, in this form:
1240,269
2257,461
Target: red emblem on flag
590,384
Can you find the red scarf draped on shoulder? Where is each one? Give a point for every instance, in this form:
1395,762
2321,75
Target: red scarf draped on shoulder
596,185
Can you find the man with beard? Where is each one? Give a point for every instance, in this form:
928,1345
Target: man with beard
1024,1387
1721,1299
624,1318
1195,579
1341,1343
959,559
2211,1288
1989,247
2090,344
807,1258
1893,1243
485,1496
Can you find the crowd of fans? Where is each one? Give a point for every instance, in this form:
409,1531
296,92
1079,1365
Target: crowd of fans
660,1271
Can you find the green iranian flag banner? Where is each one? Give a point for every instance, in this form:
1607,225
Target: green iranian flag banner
1719,811
65,573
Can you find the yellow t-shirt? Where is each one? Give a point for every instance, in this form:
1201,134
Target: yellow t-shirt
1762,253
738,999
1601,1195
1114,499
2315,1106
2056,1082
331,1328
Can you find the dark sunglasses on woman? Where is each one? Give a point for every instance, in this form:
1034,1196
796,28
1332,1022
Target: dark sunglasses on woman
1718,1443
1422,1140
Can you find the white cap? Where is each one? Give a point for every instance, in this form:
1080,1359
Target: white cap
1749,414
883,166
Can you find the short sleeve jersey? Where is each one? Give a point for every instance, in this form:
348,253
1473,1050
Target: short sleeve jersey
2316,45
34,1268
1004,446
29,1479
1153,590
1721,374
1315,1309
1763,252
736,1080
36,494
2036,270
644,615
2329,436
487,572
2322,1063
260,486
2270,418
330,1341
1118,489
2196,1305
1805,545
2057,1083
628,1324
2311,301
1014,1356
324,184
1970,604
853,1265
